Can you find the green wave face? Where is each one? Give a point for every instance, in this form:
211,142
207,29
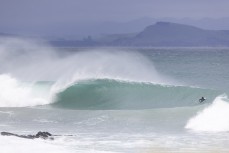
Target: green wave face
114,95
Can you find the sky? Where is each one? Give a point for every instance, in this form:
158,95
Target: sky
19,15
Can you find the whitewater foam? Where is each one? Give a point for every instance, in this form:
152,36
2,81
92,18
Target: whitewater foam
15,94
20,145
214,118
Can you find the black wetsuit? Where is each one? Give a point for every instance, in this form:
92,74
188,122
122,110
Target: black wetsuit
202,99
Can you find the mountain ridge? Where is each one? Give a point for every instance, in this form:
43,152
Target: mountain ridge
174,34
160,34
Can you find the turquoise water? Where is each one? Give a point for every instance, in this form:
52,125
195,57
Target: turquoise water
206,67
116,95
120,100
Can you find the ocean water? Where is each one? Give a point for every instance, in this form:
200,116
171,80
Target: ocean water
113,100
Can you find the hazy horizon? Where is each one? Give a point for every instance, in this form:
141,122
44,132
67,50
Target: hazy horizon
79,18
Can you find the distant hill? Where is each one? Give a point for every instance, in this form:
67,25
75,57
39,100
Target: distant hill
160,34
173,34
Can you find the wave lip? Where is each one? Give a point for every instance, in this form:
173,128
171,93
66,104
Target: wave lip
214,118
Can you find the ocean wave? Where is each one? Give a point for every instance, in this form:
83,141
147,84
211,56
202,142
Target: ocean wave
116,94
100,94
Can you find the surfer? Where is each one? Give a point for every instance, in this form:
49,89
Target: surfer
202,99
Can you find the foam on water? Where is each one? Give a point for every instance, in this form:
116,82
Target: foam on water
15,94
19,145
214,118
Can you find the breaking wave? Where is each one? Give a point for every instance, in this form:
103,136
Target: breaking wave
100,94
213,118
87,79
116,94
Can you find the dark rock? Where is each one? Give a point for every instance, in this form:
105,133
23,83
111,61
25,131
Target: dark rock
43,135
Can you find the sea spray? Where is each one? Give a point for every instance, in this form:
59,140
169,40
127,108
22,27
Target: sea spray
101,64
214,118
34,61
27,60
31,62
